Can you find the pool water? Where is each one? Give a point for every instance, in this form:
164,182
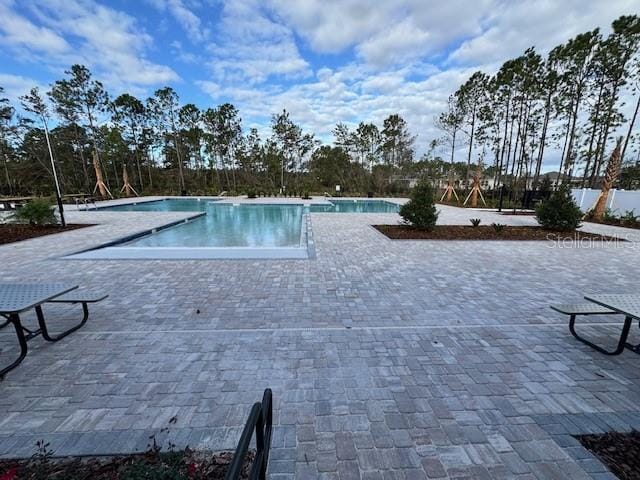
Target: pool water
240,225
356,206
169,205
226,225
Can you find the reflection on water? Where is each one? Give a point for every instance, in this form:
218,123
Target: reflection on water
229,226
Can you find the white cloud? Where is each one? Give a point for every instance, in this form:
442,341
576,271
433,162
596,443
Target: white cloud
404,41
392,32
17,31
185,17
350,95
16,85
183,54
108,41
543,24
331,26
249,46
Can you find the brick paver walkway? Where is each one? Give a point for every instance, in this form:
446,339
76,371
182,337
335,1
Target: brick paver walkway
388,360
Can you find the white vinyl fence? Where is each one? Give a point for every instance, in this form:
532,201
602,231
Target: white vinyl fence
618,201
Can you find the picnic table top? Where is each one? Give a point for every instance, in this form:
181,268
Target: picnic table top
627,304
18,297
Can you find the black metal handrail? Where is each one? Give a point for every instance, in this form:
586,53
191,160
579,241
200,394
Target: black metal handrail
261,421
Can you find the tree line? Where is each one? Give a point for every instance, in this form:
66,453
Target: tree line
501,127
570,100
125,145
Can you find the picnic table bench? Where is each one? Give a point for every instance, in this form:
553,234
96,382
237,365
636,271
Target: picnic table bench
81,199
16,299
627,305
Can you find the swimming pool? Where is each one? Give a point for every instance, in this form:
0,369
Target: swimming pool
227,225
196,205
229,230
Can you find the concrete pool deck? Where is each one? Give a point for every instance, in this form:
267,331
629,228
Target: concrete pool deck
388,359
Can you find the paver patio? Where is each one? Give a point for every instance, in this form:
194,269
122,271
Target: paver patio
387,359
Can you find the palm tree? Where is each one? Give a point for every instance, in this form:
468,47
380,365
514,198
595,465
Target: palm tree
611,175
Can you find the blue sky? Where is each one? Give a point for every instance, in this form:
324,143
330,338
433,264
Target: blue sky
324,61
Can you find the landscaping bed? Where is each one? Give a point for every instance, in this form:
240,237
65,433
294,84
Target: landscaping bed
175,465
618,451
11,232
485,232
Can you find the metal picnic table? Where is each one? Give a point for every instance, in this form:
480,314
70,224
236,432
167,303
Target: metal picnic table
627,305
10,203
18,298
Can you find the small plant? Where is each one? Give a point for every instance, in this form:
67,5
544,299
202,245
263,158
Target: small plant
498,227
560,212
306,196
629,218
251,193
36,212
40,461
420,211
608,216
475,221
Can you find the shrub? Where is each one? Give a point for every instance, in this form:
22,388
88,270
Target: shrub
420,211
498,227
36,212
608,216
475,221
306,196
559,212
251,194
629,218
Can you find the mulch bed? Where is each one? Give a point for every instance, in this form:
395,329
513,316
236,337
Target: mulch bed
486,232
618,451
10,232
177,465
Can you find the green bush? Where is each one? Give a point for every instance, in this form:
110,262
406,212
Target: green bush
36,212
559,212
498,227
608,216
251,194
629,219
420,211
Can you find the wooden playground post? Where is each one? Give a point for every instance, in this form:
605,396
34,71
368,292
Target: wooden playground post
126,187
100,185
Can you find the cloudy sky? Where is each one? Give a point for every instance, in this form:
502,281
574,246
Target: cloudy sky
324,61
